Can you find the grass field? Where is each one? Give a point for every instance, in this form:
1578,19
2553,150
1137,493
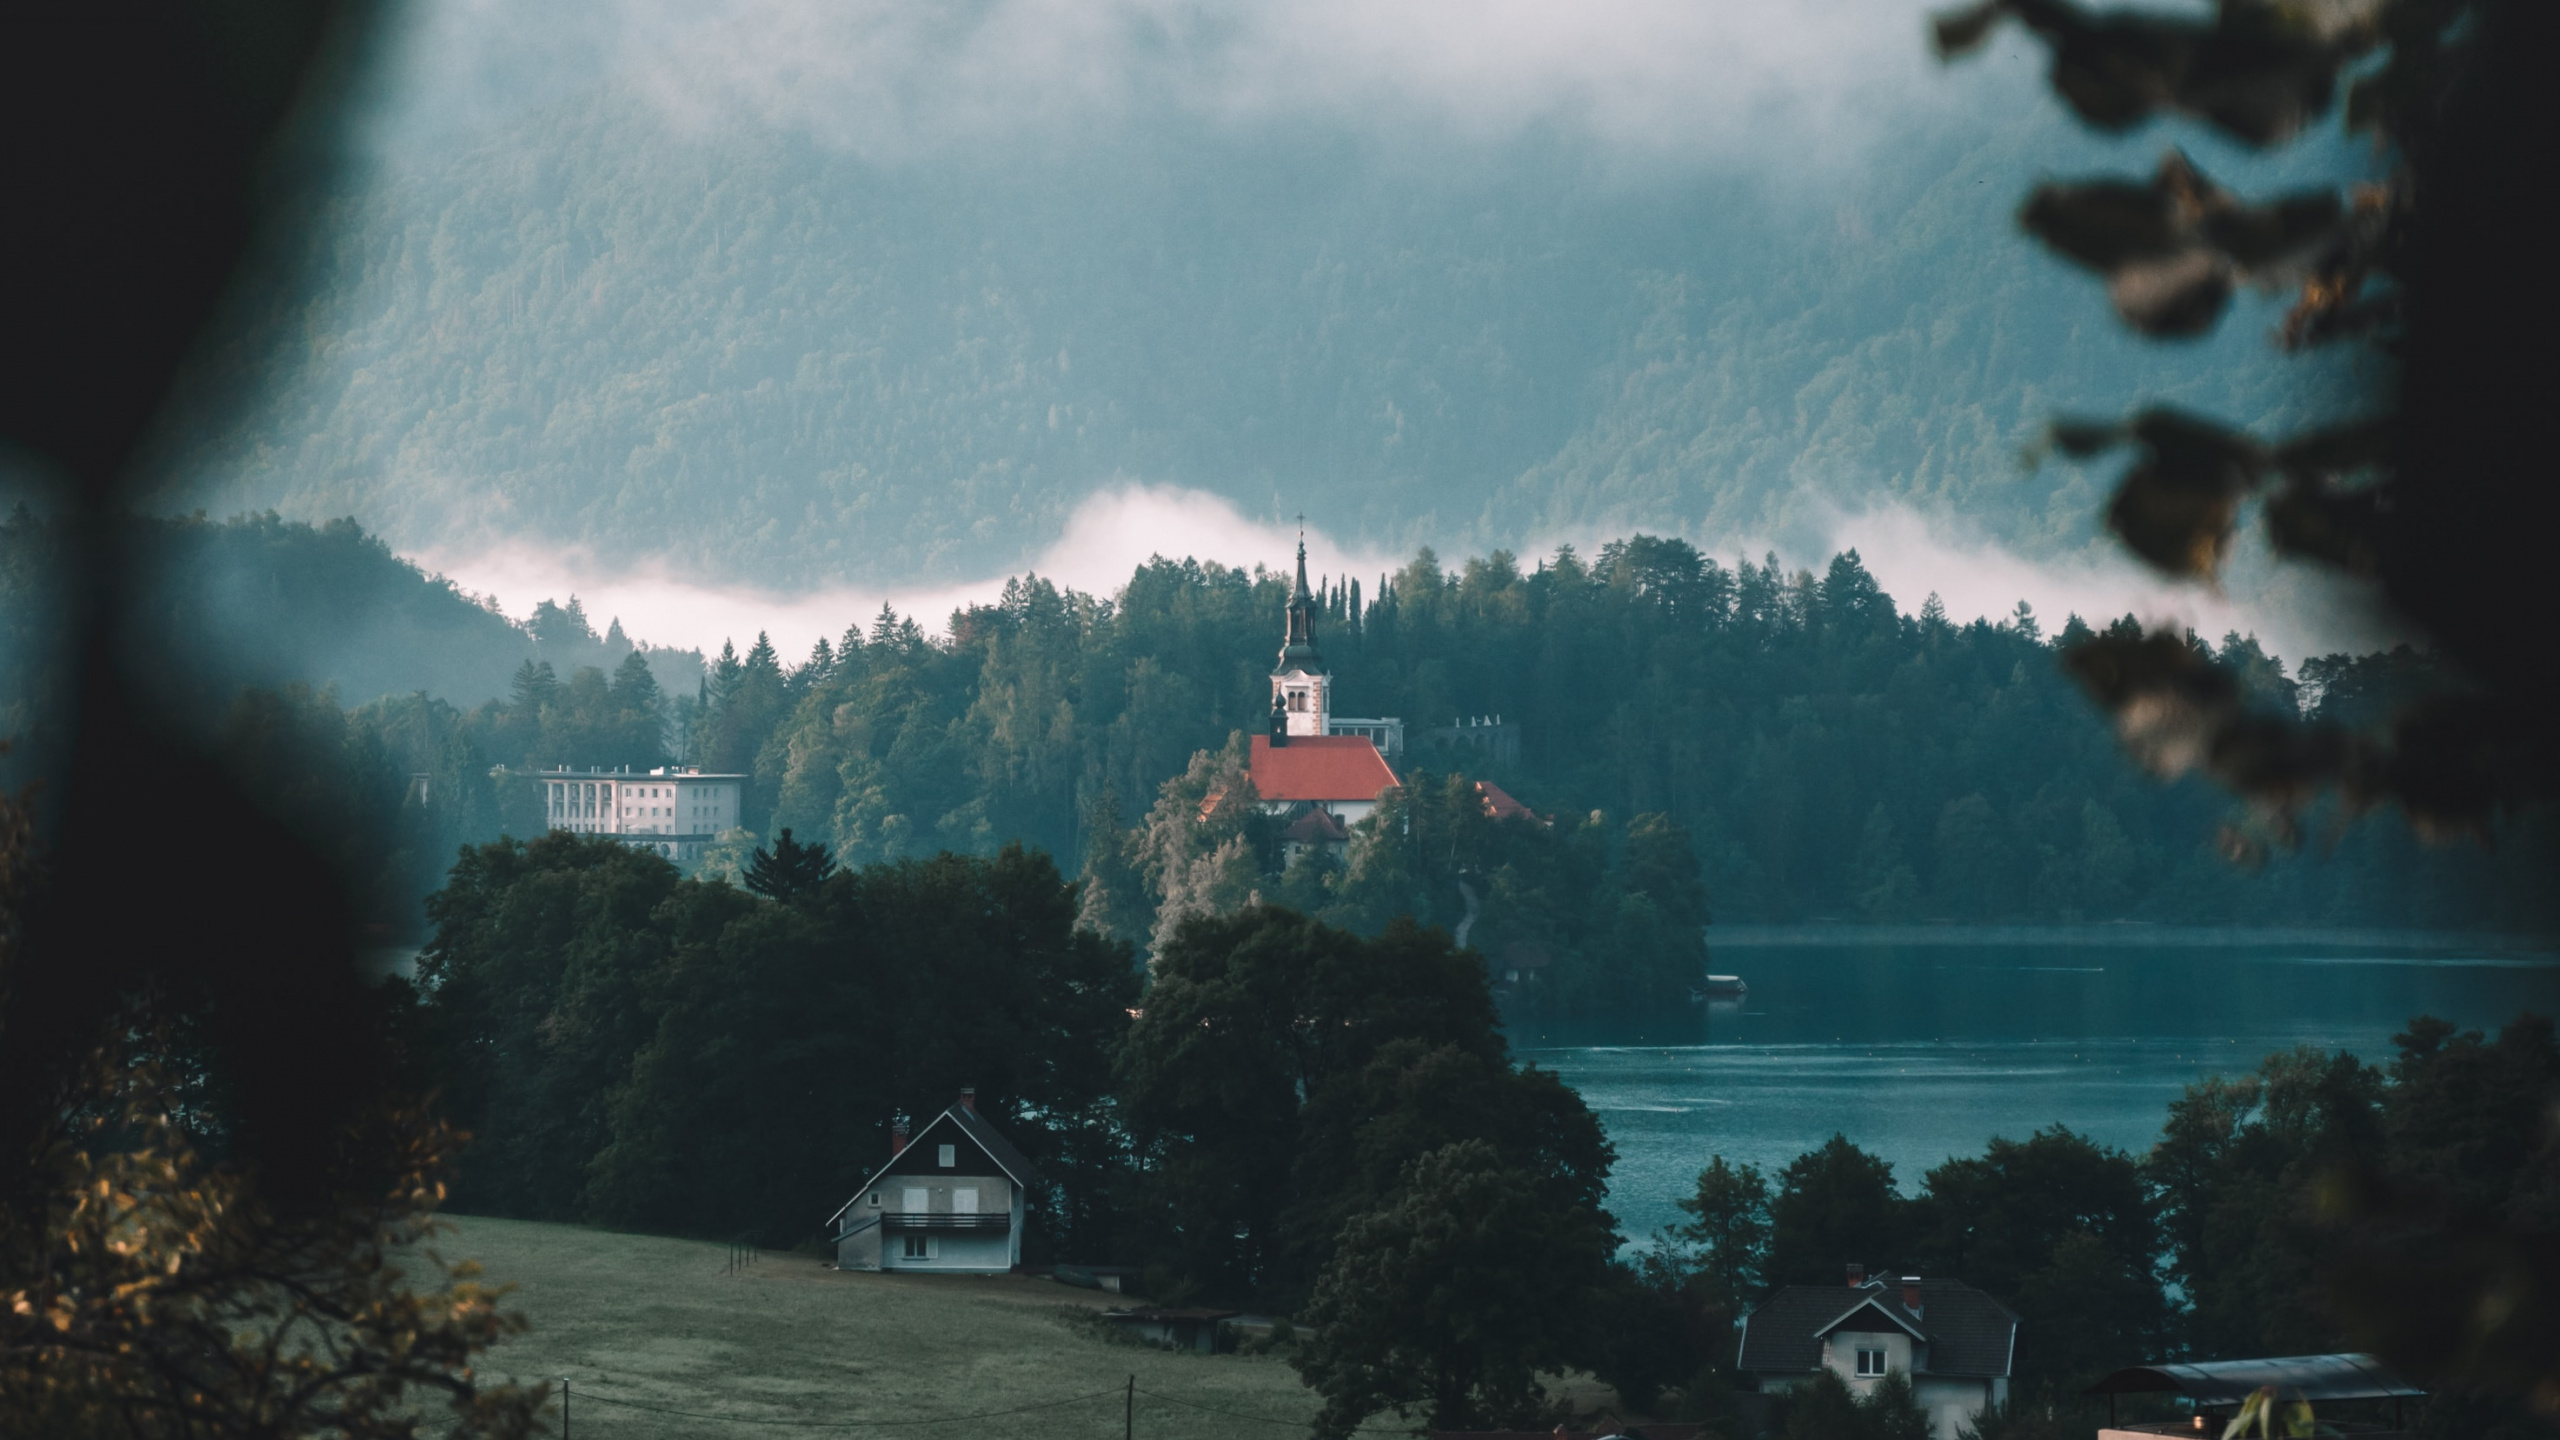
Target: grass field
789,1347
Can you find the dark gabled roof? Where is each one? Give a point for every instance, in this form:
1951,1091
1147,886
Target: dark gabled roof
1315,827
1966,1331
969,1122
2228,1382
1016,1166
1864,1312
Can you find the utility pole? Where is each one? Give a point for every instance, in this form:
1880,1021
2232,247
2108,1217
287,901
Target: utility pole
1128,1412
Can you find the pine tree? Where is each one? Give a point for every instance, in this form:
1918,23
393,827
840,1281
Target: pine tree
884,631
535,688
762,664
789,870
640,711
724,676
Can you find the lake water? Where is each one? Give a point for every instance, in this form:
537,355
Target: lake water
1923,1044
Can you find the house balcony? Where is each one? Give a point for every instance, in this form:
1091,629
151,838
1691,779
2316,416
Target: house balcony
995,1224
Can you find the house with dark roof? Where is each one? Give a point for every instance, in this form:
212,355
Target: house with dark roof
1954,1343
953,1199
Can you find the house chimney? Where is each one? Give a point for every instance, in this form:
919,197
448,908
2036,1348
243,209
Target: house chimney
1857,1275
969,1098
897,1139
1911,1293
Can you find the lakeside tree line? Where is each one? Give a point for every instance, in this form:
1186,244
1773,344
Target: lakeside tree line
1294,1115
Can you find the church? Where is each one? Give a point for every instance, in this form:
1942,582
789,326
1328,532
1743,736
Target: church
1319,771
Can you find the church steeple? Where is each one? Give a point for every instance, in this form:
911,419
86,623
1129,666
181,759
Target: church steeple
1301,690
1298,645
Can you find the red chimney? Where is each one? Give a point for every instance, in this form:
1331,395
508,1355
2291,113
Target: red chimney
897,1138
969,1098
1857,1275
1911,1293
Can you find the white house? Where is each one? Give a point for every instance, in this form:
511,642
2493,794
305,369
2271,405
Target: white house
1954,1343
951,1199
671,810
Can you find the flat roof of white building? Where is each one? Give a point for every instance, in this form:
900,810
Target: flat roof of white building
663,772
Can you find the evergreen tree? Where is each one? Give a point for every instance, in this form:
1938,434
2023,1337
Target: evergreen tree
642,713
534,689
790,870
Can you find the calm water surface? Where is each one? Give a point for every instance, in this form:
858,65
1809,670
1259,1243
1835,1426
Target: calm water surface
1923,1045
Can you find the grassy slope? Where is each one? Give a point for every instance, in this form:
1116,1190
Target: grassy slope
655,1321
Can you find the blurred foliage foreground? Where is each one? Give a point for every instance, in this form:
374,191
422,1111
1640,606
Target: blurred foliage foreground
2435,499
147,1288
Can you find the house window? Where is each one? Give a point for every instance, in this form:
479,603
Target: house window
875,1199
920,1247
947,1156
1870,1364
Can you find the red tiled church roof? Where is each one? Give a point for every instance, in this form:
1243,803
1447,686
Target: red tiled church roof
1319,767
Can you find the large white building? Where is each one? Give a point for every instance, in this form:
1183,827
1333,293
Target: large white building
673,811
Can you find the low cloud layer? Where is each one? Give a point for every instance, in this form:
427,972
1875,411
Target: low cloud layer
1785,84
1113,533
1107,537
2293,612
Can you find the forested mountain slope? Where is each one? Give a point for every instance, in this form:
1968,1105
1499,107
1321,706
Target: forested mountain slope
266,602
765,360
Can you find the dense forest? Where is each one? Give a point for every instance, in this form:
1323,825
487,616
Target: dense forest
766,358
1826,753
1801,746
1289,1105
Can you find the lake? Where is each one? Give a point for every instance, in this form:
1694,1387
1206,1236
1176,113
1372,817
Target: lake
1923,1043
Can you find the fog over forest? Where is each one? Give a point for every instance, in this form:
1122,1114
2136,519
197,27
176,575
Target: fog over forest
768,301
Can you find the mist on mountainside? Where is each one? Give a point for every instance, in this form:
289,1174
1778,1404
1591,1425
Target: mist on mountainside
744,346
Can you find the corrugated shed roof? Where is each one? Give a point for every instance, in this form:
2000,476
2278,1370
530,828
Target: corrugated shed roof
2228,1382
1967,1332
1647,1431
1320,767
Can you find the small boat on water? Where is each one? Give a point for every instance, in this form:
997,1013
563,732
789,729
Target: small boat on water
1725,987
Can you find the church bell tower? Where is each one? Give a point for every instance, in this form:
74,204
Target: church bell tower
1301,688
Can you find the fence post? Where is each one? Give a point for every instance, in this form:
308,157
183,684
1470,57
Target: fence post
1128,1411
564,1407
